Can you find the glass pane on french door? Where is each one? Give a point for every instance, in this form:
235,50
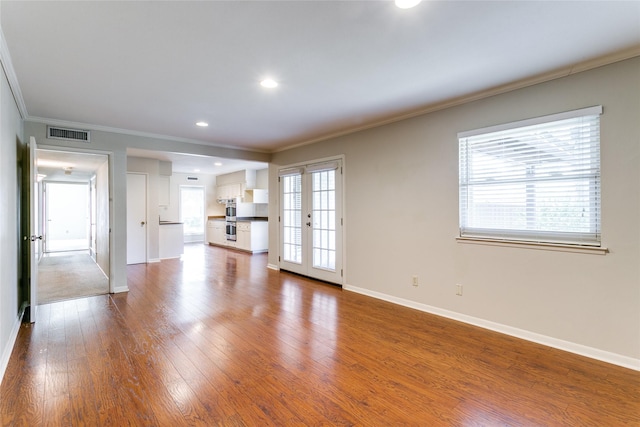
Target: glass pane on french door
311,221
323,190
292,218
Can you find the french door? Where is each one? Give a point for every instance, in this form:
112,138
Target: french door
311,220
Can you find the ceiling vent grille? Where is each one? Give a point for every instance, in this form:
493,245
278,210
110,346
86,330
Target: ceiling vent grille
68,134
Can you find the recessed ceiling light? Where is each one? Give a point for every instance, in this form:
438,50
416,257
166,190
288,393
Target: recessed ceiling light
269,83
407,4
202,124
217,164
196,170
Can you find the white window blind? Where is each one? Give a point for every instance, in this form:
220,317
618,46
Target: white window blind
536,180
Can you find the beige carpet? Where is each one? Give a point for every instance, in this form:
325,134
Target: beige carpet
69,276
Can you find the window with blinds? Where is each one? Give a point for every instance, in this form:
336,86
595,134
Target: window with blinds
536,180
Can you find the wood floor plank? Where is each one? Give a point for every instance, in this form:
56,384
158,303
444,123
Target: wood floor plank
217,339
84,410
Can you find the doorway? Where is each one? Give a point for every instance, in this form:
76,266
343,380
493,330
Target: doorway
192,212
311,220
72,205
66,216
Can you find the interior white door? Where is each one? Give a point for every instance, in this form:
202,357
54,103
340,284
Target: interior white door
136,218
311,221
35,236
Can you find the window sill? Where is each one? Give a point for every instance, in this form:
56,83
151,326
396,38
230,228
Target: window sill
593,250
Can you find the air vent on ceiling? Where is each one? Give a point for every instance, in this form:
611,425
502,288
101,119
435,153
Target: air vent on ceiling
68,134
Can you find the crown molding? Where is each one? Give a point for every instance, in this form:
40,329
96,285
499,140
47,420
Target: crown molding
109,129
7,66
590,64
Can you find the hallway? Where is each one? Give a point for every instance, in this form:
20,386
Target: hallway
67,275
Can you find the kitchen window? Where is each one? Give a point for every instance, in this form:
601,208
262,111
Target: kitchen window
536,180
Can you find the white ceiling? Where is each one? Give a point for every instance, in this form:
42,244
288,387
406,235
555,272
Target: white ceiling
189,163
56,165
158,67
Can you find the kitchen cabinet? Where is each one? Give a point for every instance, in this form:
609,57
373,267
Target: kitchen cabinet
251,236
257,195
229,191
245,177
216,232
171,240
233,185
243,231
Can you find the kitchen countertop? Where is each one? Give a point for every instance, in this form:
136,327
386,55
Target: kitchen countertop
240,218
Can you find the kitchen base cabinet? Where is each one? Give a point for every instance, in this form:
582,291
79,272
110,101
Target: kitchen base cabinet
243,231
251,236
171,240
216,232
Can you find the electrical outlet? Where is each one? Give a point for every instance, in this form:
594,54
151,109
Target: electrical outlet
459,289
414,281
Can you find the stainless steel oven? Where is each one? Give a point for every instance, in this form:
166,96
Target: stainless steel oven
230,218
230,211
230,231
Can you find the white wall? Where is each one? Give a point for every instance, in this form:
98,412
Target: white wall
10,138
401,213
262,178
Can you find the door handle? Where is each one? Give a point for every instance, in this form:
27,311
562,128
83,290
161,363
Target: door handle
34,238
309,224
142,223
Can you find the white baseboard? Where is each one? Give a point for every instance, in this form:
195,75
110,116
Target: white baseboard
8,348
101,270
120,289
273,267
593,353
153,260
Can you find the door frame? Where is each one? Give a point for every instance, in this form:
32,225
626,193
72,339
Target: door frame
109,198
343,254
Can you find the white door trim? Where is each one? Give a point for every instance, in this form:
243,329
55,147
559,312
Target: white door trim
341,220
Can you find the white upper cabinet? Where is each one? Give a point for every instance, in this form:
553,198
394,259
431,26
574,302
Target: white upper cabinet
257,195
240,184
229,191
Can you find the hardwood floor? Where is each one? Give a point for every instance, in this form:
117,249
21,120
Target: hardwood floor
218,339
